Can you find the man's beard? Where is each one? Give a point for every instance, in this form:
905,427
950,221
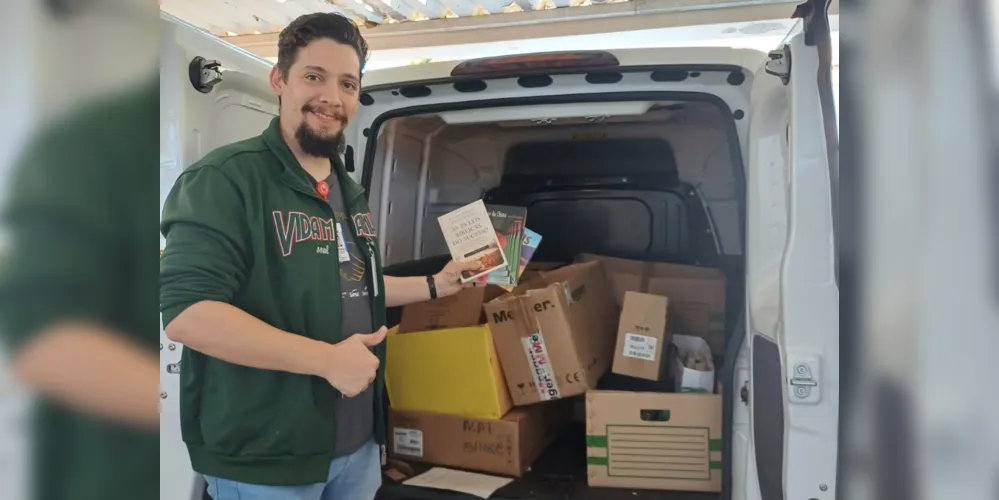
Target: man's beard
317,145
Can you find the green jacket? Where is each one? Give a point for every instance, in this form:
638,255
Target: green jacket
243,226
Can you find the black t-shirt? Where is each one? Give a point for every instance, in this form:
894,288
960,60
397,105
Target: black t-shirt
355,416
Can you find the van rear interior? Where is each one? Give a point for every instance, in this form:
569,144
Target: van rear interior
651,181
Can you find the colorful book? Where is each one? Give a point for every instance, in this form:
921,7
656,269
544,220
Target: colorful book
528,247
508,221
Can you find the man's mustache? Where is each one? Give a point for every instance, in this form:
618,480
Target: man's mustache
308,108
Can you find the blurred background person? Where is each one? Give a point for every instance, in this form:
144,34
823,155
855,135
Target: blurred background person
78,276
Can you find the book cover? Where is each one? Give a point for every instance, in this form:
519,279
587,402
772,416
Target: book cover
508,221
470,236
529,246
527,249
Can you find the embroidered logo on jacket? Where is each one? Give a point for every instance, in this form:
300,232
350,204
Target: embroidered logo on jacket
365,228
297,227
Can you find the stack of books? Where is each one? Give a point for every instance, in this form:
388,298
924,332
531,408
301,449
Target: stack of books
495,235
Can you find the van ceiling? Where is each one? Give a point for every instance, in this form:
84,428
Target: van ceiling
693,113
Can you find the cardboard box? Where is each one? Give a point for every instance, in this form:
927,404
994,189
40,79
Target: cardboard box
459,310
654,441
696,294
442,358
558,340
453,371
642,336
687,378
507,446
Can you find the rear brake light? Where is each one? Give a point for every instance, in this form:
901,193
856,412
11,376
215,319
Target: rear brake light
532,63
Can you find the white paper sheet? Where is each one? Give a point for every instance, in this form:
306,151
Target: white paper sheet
479,485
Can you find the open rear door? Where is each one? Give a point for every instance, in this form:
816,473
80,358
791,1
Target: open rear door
792,327
211,94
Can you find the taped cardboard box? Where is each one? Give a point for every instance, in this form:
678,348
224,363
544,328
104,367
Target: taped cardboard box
696,294
507,446
654,441
643,335
557,340
459,310
443,359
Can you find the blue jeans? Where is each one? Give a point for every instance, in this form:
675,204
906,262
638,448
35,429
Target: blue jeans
353,477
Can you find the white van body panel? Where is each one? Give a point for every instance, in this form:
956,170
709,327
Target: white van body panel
191,125
792,295
746,58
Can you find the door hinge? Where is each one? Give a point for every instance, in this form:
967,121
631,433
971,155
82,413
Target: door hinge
779,63
204,74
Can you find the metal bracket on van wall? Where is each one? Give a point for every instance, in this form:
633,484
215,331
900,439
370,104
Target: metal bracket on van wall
204,74
779,64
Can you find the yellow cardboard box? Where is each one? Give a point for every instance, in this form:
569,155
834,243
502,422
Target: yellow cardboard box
453,371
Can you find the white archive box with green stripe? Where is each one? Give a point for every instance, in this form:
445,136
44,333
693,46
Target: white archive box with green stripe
656,441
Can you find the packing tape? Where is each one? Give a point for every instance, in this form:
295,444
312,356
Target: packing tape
647,268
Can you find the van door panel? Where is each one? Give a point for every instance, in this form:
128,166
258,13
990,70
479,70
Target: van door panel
792,330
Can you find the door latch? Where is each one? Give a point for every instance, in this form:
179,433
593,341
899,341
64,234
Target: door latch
803,380
779,64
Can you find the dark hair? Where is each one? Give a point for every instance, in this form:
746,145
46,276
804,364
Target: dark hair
309,27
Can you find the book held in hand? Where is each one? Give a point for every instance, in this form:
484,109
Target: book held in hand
508,221
528,246
470,236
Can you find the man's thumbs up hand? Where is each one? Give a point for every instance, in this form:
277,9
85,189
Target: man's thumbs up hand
352,365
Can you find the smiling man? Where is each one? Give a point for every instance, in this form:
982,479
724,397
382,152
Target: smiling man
271,278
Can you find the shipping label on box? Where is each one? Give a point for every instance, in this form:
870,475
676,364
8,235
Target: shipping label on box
642,336
657,441
555,341
696,294
506,446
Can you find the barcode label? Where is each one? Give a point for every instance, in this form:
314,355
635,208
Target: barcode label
640,346
407,442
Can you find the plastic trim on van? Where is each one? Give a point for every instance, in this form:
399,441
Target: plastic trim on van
652,68
733,344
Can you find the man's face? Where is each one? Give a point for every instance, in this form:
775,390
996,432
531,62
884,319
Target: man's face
319,94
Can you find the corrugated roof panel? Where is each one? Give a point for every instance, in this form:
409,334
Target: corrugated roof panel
247,17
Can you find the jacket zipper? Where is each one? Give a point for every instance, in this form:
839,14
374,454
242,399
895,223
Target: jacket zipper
380,415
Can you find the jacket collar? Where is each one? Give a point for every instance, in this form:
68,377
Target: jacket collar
295,177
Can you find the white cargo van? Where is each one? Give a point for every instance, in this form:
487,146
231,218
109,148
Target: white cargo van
712,156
